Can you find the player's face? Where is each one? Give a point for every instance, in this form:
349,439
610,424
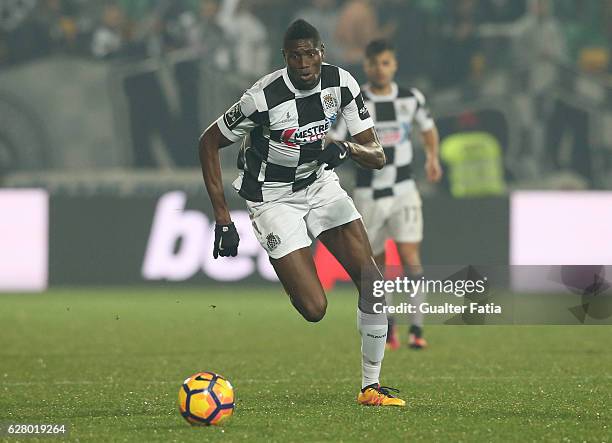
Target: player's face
380,69
303,60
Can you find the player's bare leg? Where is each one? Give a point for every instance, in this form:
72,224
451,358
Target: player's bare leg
298,275
350,245
410,257
411,261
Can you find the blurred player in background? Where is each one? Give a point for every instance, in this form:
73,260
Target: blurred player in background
389,200
287,179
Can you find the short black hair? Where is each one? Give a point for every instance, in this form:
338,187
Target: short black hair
301,29
378,46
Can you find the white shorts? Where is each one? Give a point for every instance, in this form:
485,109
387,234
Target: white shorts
282,225
398,217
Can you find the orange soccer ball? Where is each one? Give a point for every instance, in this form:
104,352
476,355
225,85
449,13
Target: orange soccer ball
206,399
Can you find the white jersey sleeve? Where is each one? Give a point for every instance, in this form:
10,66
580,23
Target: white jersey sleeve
422,115
241,117
354,110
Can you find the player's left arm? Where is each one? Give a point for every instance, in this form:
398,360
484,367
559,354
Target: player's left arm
366,150
431,139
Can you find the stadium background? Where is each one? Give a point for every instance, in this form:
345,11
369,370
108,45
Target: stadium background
103,215
101,105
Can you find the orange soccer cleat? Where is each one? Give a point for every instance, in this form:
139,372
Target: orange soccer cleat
415,338
377,395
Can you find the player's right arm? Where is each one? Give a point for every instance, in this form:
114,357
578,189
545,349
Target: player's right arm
233,125
210,142
226,235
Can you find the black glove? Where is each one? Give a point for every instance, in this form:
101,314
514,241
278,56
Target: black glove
226,241
334,154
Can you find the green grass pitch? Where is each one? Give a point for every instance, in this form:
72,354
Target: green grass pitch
109,363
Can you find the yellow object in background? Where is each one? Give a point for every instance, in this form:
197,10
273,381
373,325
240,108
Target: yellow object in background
594,60
475,164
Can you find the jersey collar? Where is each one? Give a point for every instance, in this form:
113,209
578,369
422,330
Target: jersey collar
300,92
379,98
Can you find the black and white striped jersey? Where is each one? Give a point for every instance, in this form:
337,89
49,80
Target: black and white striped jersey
284,129
394,116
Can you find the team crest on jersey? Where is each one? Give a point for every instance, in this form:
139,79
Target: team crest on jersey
272,240
233,116
330,102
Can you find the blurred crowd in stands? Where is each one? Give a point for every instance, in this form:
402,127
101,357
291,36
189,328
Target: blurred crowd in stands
448,42
168,67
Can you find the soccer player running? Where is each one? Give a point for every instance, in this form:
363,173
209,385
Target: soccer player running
286,177
388,199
